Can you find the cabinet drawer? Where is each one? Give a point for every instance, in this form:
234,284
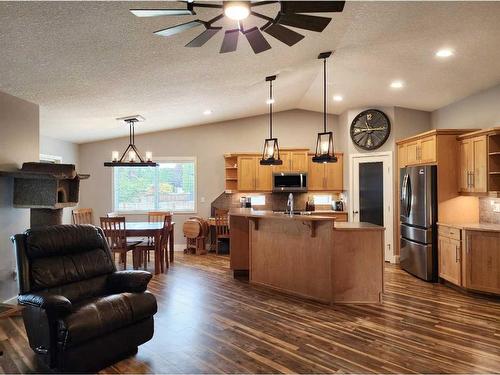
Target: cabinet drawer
455,233
450,232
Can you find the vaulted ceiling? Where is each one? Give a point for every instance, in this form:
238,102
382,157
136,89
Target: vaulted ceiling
87,63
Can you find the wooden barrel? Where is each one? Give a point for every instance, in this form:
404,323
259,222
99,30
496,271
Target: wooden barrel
192,228
204,225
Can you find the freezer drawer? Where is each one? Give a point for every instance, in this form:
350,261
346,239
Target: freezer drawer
418,259
416,234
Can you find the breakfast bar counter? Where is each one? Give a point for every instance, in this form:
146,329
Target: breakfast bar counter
308,256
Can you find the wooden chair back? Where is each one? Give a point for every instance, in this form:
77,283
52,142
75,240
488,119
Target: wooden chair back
221,222
167,227
158,216
82,216
115,232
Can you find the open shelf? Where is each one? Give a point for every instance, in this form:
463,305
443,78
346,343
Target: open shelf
231,169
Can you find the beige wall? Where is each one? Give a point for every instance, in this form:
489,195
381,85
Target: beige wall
19,127
208,143
481,110
69,153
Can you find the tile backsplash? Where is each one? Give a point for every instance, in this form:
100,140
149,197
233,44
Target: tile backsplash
487,207
274,201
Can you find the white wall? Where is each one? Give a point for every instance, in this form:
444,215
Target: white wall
481,110
69,153
208,143
19,142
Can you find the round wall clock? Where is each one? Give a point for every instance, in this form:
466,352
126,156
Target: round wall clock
370,129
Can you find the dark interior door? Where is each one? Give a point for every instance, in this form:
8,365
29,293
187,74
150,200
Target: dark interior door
371,193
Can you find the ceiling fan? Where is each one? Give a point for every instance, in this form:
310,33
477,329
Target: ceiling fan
291,13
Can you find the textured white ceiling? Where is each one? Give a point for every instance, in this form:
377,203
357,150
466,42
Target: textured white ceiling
87,63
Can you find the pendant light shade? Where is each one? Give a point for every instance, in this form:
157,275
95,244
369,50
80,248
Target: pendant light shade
271,152
325,152
131,156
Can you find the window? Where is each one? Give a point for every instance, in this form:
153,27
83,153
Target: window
322,199
169,187
258,200
52,159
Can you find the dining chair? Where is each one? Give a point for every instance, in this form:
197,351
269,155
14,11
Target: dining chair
82,216
221,227
116,235
149,244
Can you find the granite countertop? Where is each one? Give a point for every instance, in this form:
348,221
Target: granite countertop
487,227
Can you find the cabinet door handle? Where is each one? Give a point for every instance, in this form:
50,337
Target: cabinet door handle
457,253
473,178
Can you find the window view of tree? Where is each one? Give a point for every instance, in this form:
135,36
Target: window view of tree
169,187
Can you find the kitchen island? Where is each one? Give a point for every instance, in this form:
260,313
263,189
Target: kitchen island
309,256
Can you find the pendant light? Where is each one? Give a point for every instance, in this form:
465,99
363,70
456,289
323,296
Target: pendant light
271,153
131,156
324,145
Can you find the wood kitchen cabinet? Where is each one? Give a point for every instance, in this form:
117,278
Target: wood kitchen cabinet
252,176
470,258
326,176
473,165
450,254
418,151
293,161
482,261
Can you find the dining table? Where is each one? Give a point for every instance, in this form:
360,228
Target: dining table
154,230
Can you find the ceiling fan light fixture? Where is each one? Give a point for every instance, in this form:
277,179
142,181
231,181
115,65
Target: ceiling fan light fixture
237,10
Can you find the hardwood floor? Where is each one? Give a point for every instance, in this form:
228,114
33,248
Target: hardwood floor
209,323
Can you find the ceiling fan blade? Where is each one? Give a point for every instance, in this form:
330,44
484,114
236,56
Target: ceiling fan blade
256,39
302,21
230,42
204,37
282,33
312,6
179,28
162,12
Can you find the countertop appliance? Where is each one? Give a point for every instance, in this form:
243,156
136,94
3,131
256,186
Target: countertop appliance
289,182
418,192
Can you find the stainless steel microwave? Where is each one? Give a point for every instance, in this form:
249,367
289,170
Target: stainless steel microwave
289,182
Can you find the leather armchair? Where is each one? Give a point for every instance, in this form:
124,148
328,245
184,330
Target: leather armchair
80,314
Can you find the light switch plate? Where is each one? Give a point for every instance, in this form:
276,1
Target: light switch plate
496,207
202,199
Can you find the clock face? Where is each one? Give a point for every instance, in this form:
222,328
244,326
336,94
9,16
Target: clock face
370,129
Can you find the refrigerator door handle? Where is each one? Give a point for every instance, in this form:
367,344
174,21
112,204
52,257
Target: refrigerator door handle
408,196
403,194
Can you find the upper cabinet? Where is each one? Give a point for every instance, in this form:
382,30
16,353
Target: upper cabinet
473,165
418,151
479,162
244,172
252,176
293,161
326,176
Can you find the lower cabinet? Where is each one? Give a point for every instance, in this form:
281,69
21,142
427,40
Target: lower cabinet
470,258
450,265
482,261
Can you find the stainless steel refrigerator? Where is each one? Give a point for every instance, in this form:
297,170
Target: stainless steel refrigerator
418,192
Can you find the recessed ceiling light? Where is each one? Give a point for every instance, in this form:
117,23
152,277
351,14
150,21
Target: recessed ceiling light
207,112
445,52
397,84
270,101
338,98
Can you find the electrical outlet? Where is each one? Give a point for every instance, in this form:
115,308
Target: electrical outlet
496,207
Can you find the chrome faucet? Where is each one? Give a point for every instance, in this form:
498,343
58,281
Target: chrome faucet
289,204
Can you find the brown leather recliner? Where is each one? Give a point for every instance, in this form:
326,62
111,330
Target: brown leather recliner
81,314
